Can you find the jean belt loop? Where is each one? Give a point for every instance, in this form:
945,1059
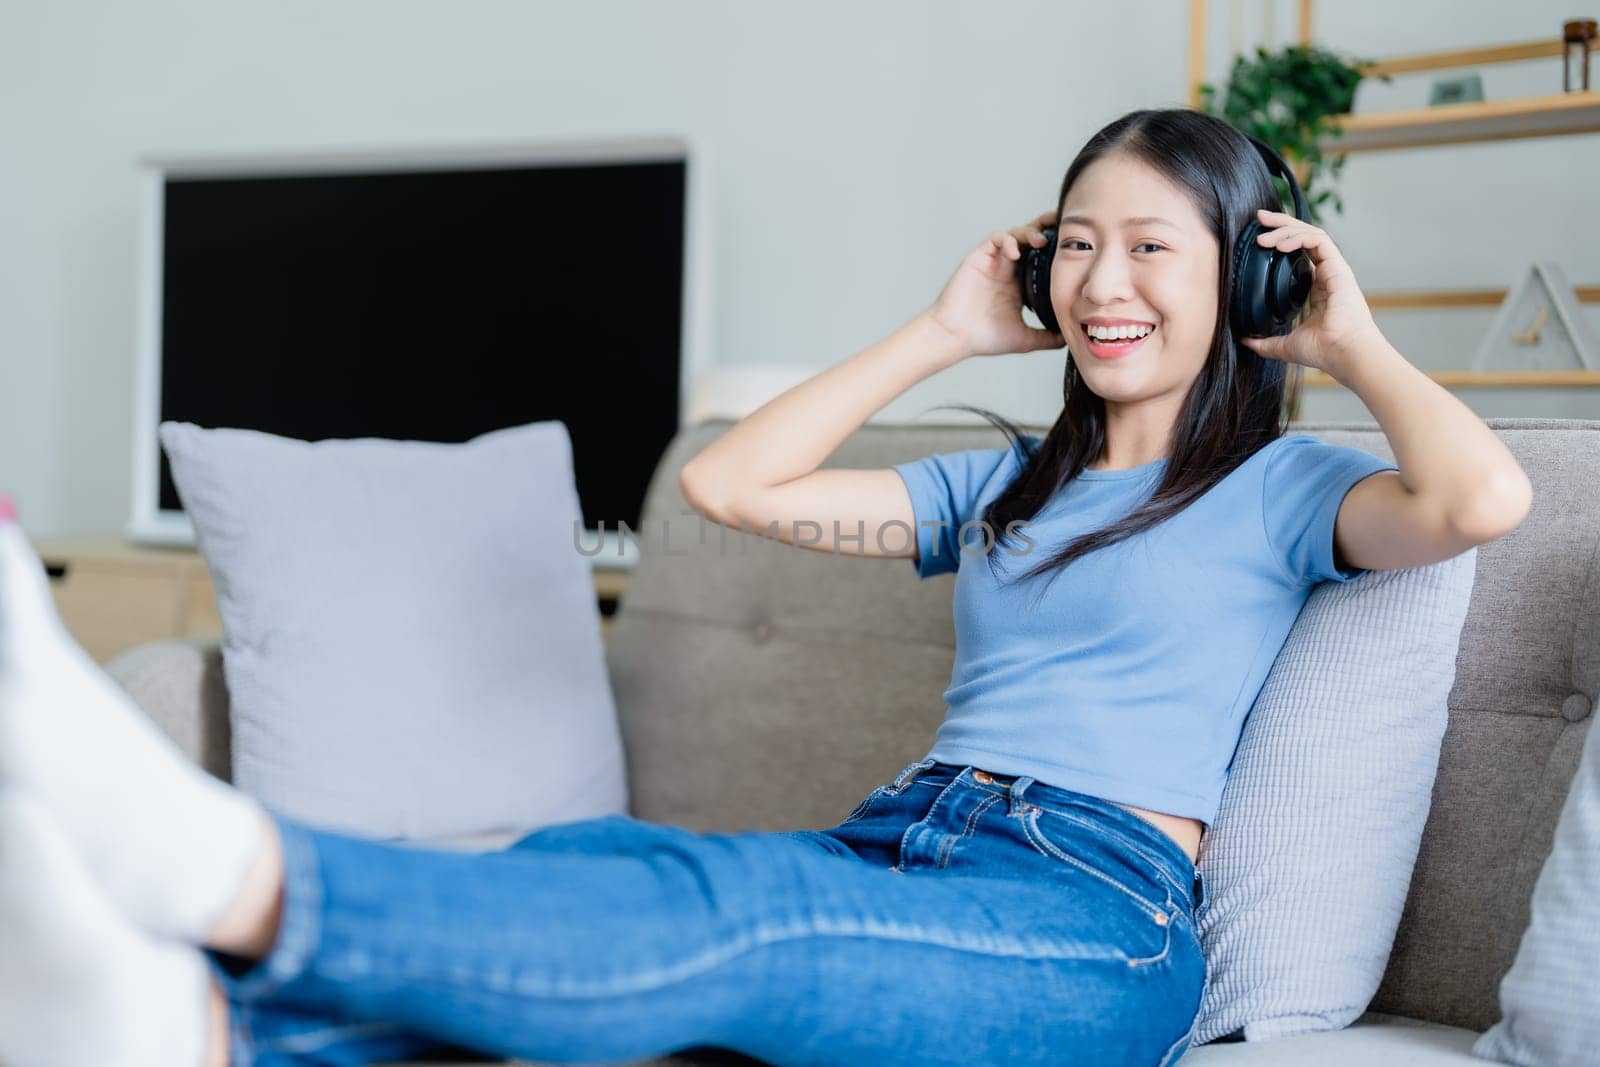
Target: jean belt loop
905,777
1019,785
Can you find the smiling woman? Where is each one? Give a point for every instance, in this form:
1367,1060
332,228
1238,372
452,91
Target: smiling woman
1097,688
1148,216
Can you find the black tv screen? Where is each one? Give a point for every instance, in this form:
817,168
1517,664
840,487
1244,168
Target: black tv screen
432,305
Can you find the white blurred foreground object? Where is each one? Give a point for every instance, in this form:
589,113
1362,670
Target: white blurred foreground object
168,843
79,983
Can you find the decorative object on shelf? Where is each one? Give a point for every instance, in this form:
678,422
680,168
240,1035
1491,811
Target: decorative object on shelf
1575,37
1540,326
1463,89
1286,98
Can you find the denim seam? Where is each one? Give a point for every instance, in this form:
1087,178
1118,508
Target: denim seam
949,846
860,811
241,1036
887,789
314,1040
1177,1046
927,819
1089,824
1109,831
1030,826
472,977
1114,835
299,925
911,770
1188,1035
1005,790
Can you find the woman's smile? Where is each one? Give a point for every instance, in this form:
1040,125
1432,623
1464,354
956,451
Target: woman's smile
1115,349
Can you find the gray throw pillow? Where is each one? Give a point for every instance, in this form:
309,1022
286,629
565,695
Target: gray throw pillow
1309,862
411,639
1549,1010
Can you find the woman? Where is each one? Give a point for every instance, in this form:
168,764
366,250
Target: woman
1025,891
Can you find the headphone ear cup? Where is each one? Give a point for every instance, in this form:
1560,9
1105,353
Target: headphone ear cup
1247,292
1269,286
1291,283
1033,276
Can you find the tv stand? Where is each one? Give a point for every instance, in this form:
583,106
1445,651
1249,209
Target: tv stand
114,595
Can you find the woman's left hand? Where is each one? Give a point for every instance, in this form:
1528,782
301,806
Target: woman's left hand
1336,320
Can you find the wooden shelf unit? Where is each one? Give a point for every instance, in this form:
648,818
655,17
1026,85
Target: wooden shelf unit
1550,115
1553,115
1404,300
1556,115
1488,379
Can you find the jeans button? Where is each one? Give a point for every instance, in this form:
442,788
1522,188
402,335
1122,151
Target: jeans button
982,776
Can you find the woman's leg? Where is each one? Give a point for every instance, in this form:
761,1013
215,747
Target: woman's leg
628,940
615,939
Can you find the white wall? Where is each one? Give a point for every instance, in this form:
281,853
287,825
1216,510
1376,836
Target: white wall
861,149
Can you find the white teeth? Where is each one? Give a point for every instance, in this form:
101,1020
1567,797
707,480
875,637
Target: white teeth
1115,333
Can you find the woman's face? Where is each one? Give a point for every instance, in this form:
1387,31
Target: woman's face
1160,273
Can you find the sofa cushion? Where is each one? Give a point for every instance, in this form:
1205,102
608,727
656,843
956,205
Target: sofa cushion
1308,864
1550,1013
1374,1040
411,640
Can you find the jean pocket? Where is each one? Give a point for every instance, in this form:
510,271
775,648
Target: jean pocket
1053,837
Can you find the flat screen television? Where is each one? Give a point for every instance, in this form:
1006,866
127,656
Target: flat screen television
425,295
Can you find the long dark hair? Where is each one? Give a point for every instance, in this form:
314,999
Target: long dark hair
1236,403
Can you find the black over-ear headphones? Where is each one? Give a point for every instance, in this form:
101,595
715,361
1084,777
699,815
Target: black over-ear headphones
1269,287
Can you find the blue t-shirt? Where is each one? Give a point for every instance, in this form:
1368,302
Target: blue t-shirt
1131,676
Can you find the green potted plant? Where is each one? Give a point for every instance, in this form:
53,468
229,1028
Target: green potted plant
1286,99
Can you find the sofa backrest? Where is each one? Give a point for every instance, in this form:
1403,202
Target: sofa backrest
767,687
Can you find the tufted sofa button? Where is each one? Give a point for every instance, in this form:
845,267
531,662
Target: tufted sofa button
762,633
1576,708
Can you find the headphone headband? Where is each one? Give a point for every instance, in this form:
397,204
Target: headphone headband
1276,164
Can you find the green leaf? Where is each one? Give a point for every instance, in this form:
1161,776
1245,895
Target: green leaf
1285,97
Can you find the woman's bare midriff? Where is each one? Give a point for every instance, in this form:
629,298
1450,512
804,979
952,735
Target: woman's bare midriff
1186,832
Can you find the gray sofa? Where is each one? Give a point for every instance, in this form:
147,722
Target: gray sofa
739,666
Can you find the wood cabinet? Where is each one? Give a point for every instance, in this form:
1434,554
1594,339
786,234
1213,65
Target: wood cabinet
114,596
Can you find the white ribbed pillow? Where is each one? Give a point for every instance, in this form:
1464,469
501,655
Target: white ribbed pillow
407,629
1548,1015
1307,866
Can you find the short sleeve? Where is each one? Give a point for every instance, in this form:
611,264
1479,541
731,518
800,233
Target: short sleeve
1306,480
945,489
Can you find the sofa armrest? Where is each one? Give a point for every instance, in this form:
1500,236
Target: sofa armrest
179,684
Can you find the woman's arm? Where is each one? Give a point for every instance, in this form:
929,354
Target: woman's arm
763,471
1455,466
1458,485
792,434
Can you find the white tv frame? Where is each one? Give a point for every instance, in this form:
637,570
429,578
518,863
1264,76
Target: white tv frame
149,524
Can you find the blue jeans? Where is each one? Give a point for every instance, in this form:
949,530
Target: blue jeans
954,915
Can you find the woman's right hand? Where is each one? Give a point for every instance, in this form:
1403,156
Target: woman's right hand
981,304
